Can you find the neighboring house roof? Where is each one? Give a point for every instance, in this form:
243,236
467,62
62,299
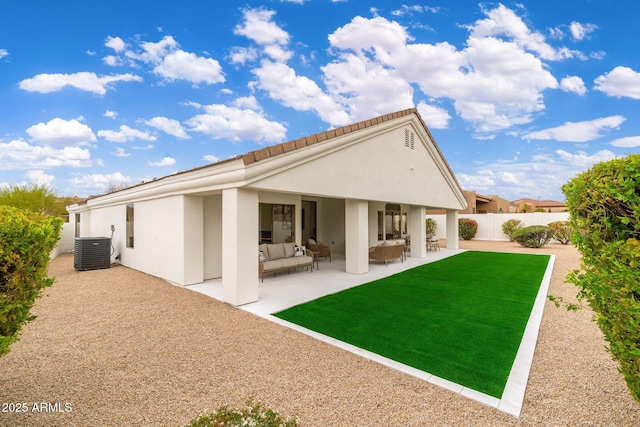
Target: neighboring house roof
235,169
540,203
484,199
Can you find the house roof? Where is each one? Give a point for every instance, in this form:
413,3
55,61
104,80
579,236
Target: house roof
540,203
256,156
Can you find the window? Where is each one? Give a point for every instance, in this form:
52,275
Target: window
277,223
395,222
77,225
130,226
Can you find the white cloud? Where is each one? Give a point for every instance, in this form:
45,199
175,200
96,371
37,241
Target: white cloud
410,10
172,63
242,55
540,175
110,114
495,83
236,124
502,21
90,82
249,102
181,65
99,182
258,26
434,117
578,131
120,152
3,53
621,81
627,142
211,158
581,31
125,134
115,43
169,126
113,61
573,84
299,92
167,161
38,177
366,87
18,154
61,132
583,160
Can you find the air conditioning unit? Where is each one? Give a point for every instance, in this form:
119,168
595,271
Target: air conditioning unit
92,253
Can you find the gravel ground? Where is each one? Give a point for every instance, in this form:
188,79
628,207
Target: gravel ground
118,347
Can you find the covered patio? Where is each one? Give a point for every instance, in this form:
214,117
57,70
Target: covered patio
289,289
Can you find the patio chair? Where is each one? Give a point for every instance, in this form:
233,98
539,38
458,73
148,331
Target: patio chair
320,250
433,242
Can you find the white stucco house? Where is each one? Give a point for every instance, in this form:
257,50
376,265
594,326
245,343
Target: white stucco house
348,187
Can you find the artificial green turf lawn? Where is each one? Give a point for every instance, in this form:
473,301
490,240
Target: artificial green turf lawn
461,318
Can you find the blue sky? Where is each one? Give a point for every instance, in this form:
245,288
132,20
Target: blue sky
520,96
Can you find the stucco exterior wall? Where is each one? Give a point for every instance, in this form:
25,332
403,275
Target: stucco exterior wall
392,170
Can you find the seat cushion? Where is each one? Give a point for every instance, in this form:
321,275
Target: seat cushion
276,251
289,249
272,265
304,260
289,262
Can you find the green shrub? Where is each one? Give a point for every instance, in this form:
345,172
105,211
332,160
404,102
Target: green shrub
511,226
431,225
533,236
253,415
562,231
26,240
604,207
467,228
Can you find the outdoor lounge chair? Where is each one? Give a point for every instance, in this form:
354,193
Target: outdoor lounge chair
320,250
433,243
386,252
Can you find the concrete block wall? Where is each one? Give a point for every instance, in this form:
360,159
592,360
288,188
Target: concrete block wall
490,225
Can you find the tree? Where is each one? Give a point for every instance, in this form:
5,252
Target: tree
36,198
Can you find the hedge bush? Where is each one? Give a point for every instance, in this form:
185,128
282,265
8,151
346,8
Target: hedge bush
253,415
467,228
533,236
26,240
562,231
604,211
511,226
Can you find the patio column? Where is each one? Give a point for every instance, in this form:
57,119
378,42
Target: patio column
418,232
356,236
239,246
452,229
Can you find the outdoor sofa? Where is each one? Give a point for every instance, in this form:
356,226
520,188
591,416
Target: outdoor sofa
388,250
274,257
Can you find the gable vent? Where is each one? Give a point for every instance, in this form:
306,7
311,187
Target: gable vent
409,139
